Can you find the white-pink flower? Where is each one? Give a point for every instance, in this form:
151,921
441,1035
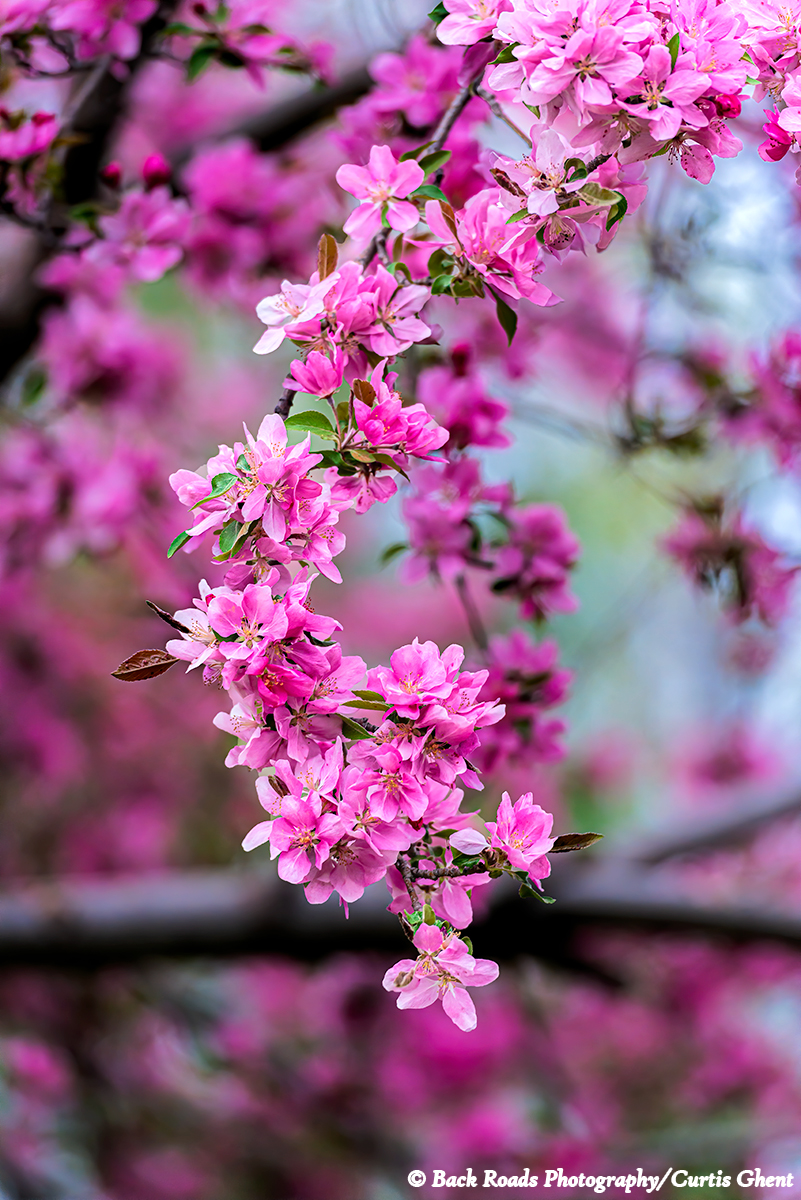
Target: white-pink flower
444,970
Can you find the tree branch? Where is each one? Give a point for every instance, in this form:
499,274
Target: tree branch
90,924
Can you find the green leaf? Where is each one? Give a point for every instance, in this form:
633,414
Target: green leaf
467,942
228,535
220,484
391,552
243,463
176,543
33,385
617,212
177,28
432,162
529,893
520,215
366,694
430,191
429,916
593,193
387,460
366,705
199,60
441,286
311,422
407,154
438,13
506,55
673,47
507,317
353,730
439,261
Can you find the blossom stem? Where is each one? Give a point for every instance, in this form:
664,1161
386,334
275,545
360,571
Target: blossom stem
450,117
449,872
474,621
405,869
498,112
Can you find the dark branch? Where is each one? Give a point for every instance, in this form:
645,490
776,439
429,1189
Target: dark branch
93,923
729,829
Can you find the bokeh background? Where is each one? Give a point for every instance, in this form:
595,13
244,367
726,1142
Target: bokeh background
269,1078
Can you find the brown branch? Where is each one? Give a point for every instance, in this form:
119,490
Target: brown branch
90,924
728,829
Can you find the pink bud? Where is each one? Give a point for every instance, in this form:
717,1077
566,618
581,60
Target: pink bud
112,174
728,106
156,171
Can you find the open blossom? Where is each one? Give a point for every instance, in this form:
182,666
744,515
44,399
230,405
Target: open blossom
523,832
382,187
417,675
22,137
443,971
295,302
469,21
534,564
752,578
146,235
104,26
456,397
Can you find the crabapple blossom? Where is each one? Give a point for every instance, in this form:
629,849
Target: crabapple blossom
443,970
523,833
382,187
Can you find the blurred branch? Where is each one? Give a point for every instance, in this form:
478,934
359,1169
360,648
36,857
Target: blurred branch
725,829
90,924
97,107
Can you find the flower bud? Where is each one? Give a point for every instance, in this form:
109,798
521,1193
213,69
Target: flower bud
112,175
156,171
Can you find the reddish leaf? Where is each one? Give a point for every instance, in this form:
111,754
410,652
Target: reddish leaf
574,841
145,664
327,254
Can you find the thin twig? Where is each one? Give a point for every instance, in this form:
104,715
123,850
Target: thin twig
474,621
405,869
496,110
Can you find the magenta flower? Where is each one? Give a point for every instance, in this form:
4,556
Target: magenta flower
469,21
418,674
382,187
302,837
443,971
104,26
523,832
667,94
146,235
22,137
320,375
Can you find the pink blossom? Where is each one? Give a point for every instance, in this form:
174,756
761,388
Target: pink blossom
469,21
319,375
146,235
104,26
523,832
382,187
534,564
443,970
418,674
22,137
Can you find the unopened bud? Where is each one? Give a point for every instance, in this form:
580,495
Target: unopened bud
460,358
156,171
112,175
728,106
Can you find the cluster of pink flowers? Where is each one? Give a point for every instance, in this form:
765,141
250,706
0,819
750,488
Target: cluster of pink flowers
725,555
352,797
